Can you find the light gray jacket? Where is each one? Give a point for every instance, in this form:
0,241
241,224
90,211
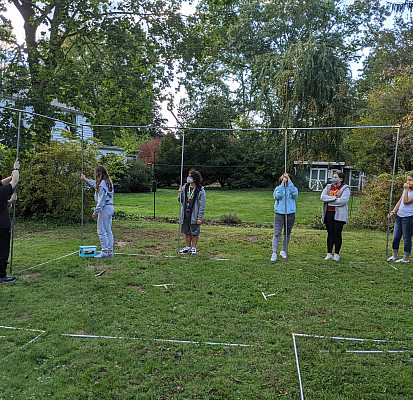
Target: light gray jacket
339,202
104,197
198,209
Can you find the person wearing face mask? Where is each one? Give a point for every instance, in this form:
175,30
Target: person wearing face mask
284,195
335,212
192,196
404,222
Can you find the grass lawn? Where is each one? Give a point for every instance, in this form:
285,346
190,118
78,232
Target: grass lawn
251,206
205,300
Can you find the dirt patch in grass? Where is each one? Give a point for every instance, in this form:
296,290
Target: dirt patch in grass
31,277
23,317
253,239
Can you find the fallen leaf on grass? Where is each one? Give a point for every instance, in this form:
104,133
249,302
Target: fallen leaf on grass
374,282
235,379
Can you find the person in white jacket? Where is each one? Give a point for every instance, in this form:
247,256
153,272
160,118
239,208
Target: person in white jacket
335,212
104,209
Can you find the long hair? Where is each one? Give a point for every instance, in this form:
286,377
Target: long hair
101,174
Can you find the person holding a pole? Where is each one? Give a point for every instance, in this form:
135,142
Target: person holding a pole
192,195
7,186
285,195
404,222
104,208
335,212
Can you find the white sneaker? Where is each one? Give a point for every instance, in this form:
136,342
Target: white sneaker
336,257
283,254
392,258
102,255
328,257
274,257
185,250
402,260
193,250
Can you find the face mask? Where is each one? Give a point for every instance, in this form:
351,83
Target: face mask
189,179
335,181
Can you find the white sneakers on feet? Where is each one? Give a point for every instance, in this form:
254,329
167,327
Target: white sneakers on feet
274,257
283,254
102,255
392,258
402,260
336,257
328,256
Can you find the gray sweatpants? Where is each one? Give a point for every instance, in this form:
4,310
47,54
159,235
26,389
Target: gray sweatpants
105,227
279,222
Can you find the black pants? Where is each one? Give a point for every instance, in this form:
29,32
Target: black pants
4,250
334,229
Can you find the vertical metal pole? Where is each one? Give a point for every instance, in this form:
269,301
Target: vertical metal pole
298,368
391,190
82,213
15,191
285,192
180,197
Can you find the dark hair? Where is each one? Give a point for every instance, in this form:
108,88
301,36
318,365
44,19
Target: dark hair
341,176
196,176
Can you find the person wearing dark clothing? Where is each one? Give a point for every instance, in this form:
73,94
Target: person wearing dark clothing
192,195
6,192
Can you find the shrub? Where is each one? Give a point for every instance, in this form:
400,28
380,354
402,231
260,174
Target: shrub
50,184
375,208
137,178
231,219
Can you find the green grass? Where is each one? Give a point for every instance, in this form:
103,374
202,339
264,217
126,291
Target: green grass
218,301
251,206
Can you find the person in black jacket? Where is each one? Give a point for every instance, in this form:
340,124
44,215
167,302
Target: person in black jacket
7,186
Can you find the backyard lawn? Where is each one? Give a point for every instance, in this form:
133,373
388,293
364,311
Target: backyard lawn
149,324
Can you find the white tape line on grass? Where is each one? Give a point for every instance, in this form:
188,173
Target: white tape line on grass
31,341
369,351
155,256
22,329
298,366
155,340
47,262
339,338
210,343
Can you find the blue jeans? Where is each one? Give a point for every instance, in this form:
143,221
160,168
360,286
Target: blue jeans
104,226
279,223
403,226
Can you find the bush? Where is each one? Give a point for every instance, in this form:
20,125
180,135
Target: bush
373,213
50,186
137,178
231,219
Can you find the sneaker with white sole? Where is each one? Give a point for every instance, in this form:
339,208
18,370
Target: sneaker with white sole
283,254
336,257
102,255
193,250
7,279
185,250
402,260
111,255
392,258
328,257
274,257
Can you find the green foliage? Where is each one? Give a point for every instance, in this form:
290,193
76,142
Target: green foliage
230,219
376,198
372,150
136,178
50,186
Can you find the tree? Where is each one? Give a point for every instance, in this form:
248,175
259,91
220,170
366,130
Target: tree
373,150
95,36
284,63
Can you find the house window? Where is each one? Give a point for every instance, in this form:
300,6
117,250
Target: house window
318,178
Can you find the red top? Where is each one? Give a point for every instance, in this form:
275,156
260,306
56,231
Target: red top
333,192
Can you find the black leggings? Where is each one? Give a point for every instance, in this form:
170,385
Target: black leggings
334,229
4,250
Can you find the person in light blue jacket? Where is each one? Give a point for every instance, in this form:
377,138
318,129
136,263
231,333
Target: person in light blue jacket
104,209
285,195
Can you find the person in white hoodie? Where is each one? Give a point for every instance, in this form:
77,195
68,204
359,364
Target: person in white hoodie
104,209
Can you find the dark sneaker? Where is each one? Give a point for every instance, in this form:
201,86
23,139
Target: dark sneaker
7,279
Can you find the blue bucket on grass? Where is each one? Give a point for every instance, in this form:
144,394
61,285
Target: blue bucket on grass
88,251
